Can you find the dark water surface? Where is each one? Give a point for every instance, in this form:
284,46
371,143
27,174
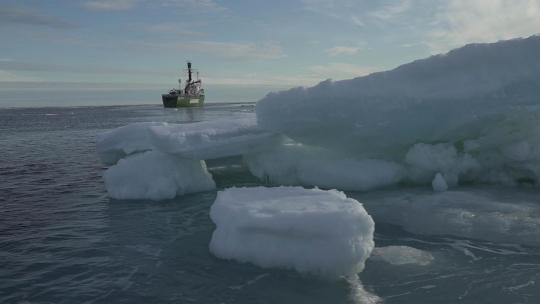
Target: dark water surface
62,240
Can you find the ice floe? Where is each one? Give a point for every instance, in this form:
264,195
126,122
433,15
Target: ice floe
230,136
114,145
319,232
156,176
235,135
467,93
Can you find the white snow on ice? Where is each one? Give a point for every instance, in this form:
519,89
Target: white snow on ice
319,232
116,144
230,136
176,165
474,91
156,176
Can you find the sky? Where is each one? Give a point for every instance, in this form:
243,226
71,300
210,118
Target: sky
243,49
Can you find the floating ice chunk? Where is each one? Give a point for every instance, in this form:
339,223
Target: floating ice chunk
439,184
156,176
235,135
230,136
464,94
426,160
399,255
294,164
116,144
313,231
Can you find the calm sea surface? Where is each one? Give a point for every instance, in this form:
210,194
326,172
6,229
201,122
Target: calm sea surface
62,240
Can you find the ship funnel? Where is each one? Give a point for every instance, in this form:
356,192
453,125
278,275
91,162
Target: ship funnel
189,71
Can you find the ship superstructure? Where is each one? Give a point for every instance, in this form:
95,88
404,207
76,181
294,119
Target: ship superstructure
192,95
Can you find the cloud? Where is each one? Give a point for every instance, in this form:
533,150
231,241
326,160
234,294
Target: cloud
18,14
459,22
187,6
171,28
113,5
6,76
46,67
342,70
325,5
359,13
338,50
387,13
280,81
357,21
234,51
199,6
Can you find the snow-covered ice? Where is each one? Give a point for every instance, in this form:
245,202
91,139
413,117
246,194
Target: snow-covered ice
230,136
314,231
471,115
156,176
479,90
175,166
114,145
235,135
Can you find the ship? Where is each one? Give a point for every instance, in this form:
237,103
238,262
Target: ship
191,96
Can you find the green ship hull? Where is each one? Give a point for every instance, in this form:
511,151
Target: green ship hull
182,101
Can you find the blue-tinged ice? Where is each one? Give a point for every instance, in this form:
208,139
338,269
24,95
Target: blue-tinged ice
471,92
471,115
299,165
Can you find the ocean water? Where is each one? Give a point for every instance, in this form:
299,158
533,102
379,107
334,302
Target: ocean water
62,240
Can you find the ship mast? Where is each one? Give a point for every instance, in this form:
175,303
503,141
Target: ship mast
189,70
